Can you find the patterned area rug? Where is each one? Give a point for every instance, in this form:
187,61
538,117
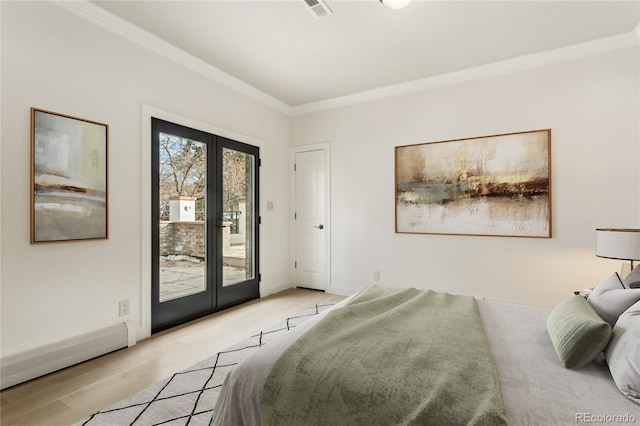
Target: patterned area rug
188,397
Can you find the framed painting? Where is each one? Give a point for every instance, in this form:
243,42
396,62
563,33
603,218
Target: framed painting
496,185
69,178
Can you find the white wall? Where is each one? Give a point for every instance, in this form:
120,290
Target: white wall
56,61
592,107
53,60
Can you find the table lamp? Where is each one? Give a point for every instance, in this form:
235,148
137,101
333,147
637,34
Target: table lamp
618,243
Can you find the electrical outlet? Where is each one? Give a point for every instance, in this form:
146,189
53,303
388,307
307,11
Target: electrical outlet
124,308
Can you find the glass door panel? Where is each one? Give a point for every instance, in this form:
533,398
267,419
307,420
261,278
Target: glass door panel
183,243
238,271
238,207
183,267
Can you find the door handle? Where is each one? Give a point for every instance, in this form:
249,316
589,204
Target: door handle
319,226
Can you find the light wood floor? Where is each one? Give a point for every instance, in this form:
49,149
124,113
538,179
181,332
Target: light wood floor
67,396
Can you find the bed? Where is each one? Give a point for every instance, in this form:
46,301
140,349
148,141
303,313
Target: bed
533,385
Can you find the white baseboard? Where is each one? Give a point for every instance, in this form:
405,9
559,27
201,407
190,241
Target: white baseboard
27,365
276,287
343,290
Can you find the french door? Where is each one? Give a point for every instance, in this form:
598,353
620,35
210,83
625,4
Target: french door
204,223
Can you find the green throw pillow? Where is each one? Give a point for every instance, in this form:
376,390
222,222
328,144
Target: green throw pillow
577,332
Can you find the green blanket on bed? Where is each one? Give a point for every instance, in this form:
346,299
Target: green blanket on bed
389,357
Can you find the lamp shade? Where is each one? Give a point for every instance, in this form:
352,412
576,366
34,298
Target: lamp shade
621,244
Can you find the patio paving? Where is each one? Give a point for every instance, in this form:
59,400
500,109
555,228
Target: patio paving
182,276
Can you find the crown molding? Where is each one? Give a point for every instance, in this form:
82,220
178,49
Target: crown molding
96,15
521,63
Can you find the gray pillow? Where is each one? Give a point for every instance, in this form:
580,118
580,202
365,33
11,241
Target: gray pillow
577,332
632,278
610,299
623,353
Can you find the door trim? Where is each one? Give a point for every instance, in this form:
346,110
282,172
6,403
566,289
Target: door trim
143,325
326,147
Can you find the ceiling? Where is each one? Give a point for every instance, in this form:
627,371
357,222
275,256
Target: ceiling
281,49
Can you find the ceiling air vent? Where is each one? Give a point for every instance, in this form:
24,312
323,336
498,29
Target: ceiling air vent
319,8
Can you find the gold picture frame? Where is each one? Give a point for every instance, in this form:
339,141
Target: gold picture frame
498,185
69,178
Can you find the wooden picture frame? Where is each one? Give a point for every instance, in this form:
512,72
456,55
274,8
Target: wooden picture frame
497,185
69,178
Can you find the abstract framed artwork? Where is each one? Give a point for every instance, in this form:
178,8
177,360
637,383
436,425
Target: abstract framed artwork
496,185
69,178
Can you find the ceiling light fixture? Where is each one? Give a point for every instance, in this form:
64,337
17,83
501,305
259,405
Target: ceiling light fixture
395,4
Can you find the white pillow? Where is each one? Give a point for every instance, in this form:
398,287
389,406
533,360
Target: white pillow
610,299
623,353
633,279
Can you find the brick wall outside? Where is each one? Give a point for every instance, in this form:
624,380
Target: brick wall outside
187,238
182,238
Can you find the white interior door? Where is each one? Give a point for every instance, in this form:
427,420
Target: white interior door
312,233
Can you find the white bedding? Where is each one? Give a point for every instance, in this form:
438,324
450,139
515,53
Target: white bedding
536,388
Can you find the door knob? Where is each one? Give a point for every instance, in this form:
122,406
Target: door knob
319,226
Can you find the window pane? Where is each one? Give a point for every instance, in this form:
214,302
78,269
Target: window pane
182,217
238,221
